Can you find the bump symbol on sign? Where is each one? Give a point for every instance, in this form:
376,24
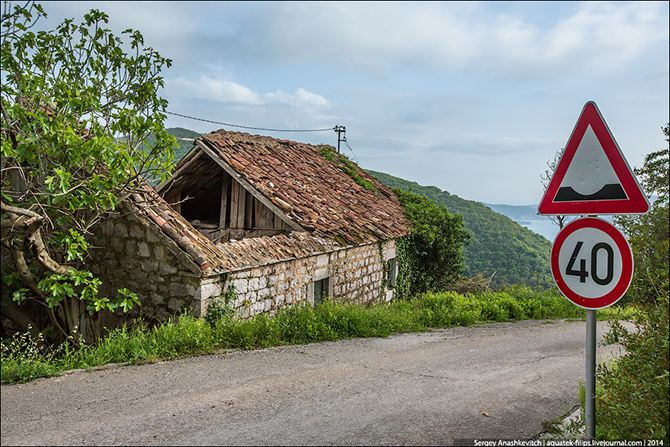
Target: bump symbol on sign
590,176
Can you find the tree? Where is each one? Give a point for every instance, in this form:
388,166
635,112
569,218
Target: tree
560,220
648,234
76,111
431,256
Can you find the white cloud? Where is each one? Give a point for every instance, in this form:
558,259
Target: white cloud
301,98
597,38
592,37
232,92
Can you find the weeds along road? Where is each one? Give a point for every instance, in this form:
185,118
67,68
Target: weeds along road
498,380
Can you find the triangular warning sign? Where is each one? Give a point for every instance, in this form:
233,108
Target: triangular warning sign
592,176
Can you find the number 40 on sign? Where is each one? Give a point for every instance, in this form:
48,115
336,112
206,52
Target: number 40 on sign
592,263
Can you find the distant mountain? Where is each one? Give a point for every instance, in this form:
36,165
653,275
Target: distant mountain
185,144
517,212
498,245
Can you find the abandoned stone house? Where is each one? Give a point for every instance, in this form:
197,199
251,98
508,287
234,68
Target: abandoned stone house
272,222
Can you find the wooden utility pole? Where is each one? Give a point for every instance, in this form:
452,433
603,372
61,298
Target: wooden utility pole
340,130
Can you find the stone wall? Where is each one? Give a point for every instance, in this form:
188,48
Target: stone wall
356,275
128,254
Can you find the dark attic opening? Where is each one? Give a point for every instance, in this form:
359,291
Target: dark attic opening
217,205
201,196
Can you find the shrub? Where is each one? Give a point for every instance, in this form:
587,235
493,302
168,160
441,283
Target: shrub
632,390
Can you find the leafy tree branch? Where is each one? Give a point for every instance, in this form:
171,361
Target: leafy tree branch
77,110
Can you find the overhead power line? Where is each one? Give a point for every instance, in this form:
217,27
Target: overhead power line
249,127
352,151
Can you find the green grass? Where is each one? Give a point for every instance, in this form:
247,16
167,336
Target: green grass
188,336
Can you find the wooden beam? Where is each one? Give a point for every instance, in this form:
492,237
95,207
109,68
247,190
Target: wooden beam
267,218
234,203
241,206
249,210
224,199
249,187
257,212
168,183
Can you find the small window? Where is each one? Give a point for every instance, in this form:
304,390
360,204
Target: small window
392,273
320,290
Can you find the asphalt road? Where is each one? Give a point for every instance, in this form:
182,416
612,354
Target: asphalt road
493,381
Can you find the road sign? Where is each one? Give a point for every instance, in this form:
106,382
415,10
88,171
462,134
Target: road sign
592,263
592,176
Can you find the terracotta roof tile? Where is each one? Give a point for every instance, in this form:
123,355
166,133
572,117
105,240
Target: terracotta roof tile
311,189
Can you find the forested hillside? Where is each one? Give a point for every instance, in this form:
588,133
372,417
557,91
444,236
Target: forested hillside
498,244
184,145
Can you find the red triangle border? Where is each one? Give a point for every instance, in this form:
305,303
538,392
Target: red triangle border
636,203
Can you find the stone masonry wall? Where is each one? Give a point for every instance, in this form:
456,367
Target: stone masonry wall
355,276
129,255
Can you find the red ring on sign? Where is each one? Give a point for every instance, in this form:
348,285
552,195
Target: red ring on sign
626,258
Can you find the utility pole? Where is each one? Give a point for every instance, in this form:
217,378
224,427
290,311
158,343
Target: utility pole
340,130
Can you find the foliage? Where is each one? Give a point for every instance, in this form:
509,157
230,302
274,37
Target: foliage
649,234
76,111
25,358
347,166
220,308
632,390
186,335
431,256
498,245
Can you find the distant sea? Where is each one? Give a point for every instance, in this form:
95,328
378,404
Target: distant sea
544,227
526,216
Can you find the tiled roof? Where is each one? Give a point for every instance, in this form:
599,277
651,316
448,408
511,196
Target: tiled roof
311,190
264,250
308,188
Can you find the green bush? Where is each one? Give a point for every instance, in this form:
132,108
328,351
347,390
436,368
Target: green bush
632,390
431,256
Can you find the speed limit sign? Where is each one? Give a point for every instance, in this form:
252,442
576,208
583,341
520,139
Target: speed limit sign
592,263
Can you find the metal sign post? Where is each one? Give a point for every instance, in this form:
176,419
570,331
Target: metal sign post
590,394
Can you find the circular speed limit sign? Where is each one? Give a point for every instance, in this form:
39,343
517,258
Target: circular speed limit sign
592,263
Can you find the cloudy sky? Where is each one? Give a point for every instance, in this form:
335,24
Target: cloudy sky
473,98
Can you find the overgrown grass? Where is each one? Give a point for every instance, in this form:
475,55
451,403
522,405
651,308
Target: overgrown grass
187,336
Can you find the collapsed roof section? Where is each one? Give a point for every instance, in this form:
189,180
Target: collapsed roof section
203,257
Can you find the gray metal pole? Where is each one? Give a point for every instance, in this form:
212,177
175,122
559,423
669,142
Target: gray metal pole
590,396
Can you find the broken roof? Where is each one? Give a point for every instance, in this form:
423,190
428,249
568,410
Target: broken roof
326,206
203,257
307,183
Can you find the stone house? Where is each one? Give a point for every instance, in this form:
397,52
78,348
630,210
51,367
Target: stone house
267,223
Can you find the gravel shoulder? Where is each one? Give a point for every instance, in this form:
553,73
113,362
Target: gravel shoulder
498,380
